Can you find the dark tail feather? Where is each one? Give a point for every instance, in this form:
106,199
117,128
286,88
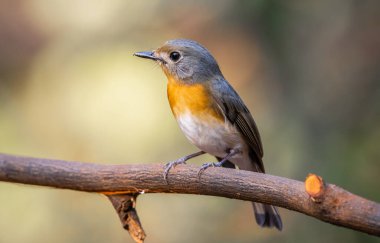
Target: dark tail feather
267,216
227,164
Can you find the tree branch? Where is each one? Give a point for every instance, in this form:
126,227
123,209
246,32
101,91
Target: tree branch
125,206
335,205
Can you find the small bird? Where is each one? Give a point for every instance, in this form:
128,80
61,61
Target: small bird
211,114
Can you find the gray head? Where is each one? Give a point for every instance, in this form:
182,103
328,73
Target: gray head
184,60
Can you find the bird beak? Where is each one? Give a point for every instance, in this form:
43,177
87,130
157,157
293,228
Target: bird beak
146,54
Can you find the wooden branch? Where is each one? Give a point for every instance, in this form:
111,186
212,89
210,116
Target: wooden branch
335,205
125,206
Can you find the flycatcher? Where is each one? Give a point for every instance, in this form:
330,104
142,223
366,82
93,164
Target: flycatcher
211,114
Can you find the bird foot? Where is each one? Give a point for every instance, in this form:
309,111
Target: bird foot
207,165
171,165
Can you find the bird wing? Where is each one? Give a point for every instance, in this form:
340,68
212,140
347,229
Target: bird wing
236,112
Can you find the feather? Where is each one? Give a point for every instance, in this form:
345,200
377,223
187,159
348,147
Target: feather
238,114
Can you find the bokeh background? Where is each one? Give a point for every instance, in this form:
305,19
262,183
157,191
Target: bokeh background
70,89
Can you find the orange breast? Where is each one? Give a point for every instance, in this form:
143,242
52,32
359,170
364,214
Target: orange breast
192,98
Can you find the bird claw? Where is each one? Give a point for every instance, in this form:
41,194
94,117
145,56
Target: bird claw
207,165
171,165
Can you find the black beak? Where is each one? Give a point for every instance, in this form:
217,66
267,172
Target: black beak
147,55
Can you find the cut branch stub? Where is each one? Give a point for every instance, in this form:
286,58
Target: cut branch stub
315,187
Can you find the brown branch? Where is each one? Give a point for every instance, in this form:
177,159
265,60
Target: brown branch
125,206
337,206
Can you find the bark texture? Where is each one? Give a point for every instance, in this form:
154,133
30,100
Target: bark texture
334,205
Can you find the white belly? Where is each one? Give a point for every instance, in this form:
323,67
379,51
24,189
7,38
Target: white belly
214,137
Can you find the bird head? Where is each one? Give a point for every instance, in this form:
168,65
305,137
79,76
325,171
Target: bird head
184,60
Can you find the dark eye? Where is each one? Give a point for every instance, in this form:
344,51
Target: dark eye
174,56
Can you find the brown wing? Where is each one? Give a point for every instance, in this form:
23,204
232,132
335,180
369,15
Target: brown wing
238,114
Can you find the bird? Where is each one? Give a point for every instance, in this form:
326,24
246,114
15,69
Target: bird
211,114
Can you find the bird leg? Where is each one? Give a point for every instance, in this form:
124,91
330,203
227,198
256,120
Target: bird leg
182,160
231,153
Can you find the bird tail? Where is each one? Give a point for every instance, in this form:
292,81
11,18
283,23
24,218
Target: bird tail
267,215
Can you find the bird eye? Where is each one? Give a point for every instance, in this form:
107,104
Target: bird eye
174,56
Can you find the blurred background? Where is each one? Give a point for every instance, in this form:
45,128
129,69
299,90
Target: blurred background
70,89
